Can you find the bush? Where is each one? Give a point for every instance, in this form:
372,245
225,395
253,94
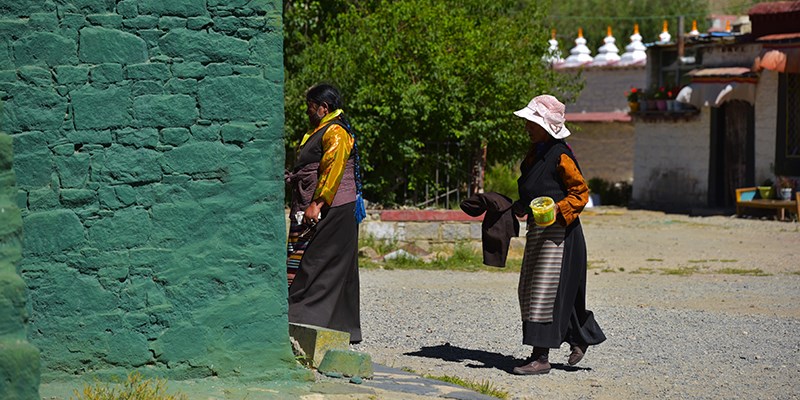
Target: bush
134,388
502,178
611,194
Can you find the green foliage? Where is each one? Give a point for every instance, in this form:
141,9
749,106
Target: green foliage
416,74
502,178
594,16
134,388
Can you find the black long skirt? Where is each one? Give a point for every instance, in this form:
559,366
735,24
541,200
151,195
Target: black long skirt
572,322
325,291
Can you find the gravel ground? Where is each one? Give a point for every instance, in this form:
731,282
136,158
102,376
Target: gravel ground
715,333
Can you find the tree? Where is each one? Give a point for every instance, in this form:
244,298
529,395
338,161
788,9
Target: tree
417,74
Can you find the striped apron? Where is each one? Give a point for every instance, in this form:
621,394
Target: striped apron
541,272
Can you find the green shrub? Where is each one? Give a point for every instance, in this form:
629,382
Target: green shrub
611,194
134,388
502,178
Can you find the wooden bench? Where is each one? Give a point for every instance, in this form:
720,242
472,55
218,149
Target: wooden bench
748,198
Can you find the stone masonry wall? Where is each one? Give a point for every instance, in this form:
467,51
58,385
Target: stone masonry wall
148,155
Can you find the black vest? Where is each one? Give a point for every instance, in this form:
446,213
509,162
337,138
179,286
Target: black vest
541,178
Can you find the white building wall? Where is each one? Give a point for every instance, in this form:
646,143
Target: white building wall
766,124
671,163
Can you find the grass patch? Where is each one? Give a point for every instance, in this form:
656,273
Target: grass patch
135,387
654,259
682,271
742,271
463,258
607,270
483,387
643,271
594,264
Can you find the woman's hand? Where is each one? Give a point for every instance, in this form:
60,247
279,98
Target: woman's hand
311,216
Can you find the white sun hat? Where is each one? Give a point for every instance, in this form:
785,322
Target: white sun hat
547,112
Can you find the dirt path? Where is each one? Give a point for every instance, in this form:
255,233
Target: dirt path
692,308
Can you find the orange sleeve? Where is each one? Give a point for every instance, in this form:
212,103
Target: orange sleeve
336,147
577,191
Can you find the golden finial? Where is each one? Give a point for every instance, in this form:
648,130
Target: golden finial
608,31
580,32
728,26
694,25
553,33
635,29
665,25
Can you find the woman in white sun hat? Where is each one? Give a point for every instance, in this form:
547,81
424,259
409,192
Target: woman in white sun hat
552,285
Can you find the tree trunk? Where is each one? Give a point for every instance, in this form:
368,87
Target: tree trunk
478,169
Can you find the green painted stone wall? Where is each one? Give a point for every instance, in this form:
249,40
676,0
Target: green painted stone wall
149,164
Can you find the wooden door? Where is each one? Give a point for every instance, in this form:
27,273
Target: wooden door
732,152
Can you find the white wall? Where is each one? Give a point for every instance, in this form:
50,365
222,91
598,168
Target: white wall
766,125
671,161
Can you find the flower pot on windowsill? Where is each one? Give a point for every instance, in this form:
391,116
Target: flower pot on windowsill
634,106
766,192
786,193
661,105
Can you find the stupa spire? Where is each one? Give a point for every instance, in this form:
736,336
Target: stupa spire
664,37
553,55
634,52
609,53
580,54
694,31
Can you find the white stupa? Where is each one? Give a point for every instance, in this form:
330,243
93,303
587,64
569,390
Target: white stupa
694,31
553,55
635,53
580,54
664,37
609,53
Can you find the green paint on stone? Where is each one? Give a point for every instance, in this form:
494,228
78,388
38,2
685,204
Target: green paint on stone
128,8
45,48
197,158
153,71
107,73
167,23
123,164
64,149
73,170
101,108
141,88
237,98
127,228
34,109
219,69
205,132
239,132
52,232
174,136
201,46
42,200
33,169
182,86
228,24
113,21
141,22
127,348
89,136
165,110
146,137
197,23
102,45
89,6
180,8
35,76
77,197
43,21
189,70
126,194
72,22
69,74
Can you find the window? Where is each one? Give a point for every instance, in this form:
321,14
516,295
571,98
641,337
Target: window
787,146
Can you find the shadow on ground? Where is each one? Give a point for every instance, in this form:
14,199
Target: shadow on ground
487,359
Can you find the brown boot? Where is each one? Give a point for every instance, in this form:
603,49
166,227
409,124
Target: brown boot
539,365
577,354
